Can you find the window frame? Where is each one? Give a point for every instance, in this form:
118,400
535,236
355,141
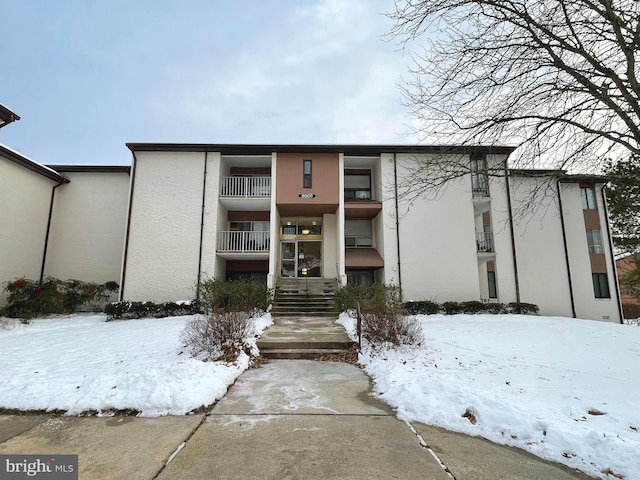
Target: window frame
594,242
588,198
357,189
600,285
307,180
491,284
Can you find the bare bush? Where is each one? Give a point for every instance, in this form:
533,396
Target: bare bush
391,325
220,336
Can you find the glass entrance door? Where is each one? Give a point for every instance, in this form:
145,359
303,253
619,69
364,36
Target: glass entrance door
301,259
301,247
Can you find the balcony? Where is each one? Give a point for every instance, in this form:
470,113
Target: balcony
243,242
245,187
480,184
484,242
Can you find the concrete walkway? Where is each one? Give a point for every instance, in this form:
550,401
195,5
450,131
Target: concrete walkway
286,420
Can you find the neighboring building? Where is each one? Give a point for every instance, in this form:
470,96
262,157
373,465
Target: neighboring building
185,212
61,221
630,304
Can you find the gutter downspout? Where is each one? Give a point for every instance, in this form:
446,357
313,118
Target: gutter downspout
395,184
613,260
512,231
204,191
566,250
126,238
46,236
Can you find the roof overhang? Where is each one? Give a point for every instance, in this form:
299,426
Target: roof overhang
356,150
91,168
7,116
29,164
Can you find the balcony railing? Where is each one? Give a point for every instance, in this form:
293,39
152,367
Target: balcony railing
480,185
358,241
484,241
243,242
245,187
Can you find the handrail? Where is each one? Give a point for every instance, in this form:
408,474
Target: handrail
243,242
359,325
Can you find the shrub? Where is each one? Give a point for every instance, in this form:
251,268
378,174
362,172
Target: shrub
522,308
371,297
495,308
473,307
219,336
451,308
131,310
390,325
631,310
424,307
29,298
240,295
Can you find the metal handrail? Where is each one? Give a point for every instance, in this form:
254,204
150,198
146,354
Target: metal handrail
484,241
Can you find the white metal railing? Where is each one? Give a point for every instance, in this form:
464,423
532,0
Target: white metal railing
245,187
484,241
243,242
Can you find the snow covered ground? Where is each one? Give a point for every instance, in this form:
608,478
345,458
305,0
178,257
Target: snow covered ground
563,389
81,363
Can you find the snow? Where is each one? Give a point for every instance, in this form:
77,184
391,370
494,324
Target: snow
537,383
81,363
566,390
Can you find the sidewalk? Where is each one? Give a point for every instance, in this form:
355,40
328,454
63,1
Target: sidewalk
286,420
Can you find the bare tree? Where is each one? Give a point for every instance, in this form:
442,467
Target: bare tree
556,78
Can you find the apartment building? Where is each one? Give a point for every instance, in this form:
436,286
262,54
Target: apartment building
354,213
346,212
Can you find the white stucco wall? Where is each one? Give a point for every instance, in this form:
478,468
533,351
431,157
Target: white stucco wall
164,236
587,306
24,209
438,244
329,245
505,276
87,228
385,224
540,248
211,268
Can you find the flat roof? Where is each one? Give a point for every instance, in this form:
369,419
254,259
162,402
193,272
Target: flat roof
267,149
561,175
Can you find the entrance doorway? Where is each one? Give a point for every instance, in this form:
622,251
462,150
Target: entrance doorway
301,247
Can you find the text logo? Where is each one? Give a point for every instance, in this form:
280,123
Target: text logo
50,467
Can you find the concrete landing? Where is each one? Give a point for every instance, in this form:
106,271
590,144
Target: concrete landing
303,337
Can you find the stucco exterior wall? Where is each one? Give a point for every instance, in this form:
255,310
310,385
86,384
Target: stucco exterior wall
505,272
88,226
438,244
212,210
164,236
540,248
385,224
329,245
24,199
587,306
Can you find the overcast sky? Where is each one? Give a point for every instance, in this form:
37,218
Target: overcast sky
87,76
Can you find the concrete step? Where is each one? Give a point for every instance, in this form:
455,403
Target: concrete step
303,337
314,313
295,353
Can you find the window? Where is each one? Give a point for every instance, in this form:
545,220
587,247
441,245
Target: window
357,187
357,233
306,174
600,285
479,175
493,291
594,241
588,196
360,277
